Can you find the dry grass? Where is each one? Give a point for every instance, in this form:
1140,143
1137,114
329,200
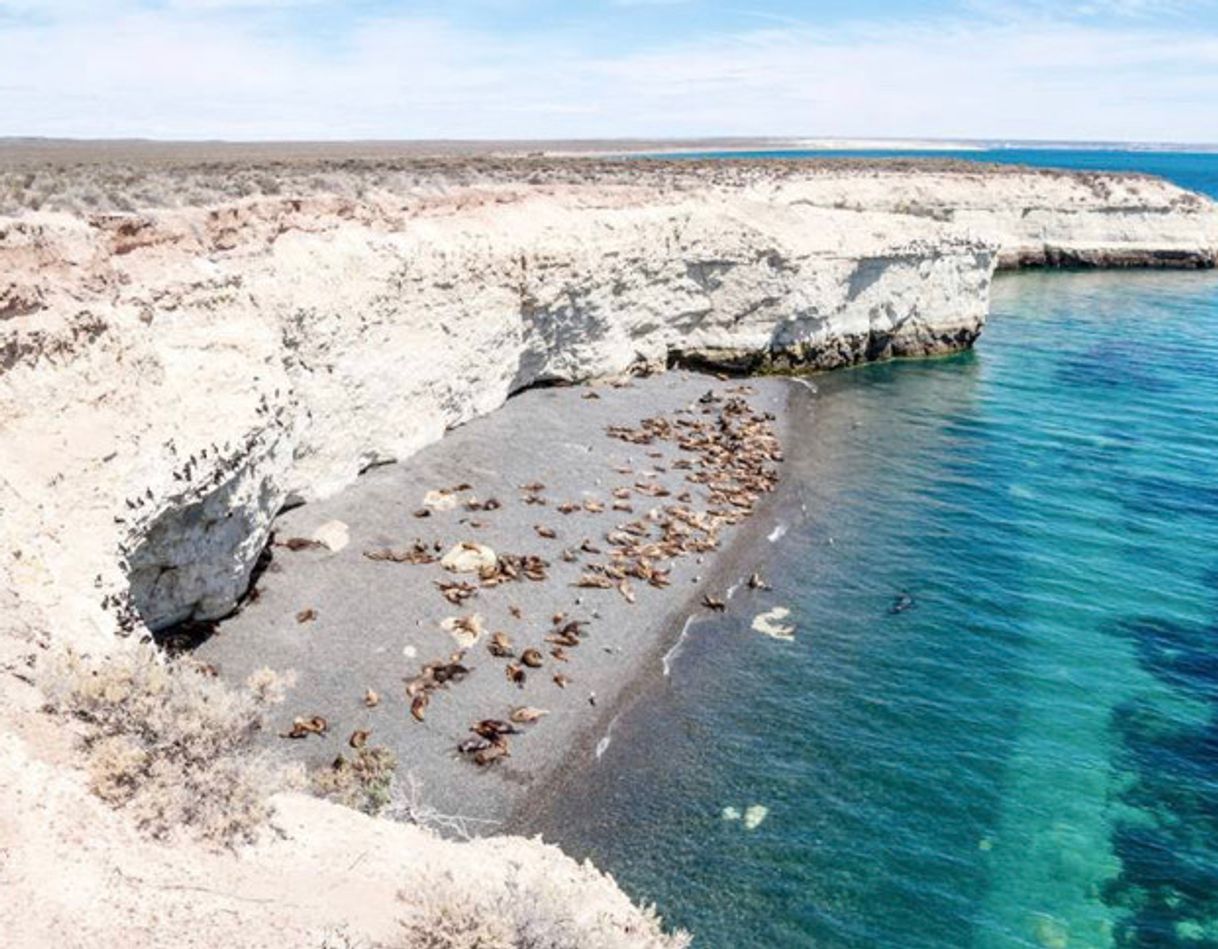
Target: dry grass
87,178
363,782
168,743
496,914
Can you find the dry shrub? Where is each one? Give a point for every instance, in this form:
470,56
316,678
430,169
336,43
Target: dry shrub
364,782
491,913
169,743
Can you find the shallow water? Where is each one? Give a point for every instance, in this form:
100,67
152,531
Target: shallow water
1028,755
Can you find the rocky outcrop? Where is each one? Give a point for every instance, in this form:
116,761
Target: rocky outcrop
172,379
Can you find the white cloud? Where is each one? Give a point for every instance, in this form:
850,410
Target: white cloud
175,74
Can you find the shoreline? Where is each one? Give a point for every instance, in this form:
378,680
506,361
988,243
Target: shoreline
731,568
377,623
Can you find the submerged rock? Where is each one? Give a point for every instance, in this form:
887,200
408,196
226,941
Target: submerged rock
770,623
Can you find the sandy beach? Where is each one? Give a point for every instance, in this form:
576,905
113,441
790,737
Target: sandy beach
346,623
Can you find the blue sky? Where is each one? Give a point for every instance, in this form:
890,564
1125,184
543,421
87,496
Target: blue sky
1135,70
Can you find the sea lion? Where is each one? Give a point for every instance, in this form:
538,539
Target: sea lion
532,658
547,532
371,699
492,728
418,706
713,603
500,646
303,727
561,680
299,543
901,602
756,583
526,714
359,738
515,674
491,754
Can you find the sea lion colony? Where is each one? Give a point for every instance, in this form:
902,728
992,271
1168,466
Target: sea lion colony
730,455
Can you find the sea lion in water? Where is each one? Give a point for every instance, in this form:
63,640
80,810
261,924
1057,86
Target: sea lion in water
901,602
757,583
713,603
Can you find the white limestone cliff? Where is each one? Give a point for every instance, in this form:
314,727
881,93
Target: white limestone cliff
170,379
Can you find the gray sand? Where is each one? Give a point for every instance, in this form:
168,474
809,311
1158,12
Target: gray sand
378,622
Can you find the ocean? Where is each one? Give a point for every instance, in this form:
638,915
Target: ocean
997,723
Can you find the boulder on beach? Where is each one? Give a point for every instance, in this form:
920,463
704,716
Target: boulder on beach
334,535
468,557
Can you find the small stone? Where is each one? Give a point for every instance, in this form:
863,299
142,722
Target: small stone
333,534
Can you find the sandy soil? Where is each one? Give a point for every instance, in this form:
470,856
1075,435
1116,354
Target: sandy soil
378,622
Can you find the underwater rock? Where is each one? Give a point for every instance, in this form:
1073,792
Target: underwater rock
770,623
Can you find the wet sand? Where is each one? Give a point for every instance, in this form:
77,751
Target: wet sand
377,622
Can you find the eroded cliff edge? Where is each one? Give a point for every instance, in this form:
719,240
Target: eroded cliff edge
173,377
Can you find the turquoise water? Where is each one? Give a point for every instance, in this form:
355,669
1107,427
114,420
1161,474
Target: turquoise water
1195,170
1028,755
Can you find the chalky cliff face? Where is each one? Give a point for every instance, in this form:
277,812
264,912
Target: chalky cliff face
172,379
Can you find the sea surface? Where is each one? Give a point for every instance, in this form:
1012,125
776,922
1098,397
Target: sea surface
997,723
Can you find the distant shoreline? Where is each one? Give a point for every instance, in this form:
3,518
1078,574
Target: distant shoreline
26,151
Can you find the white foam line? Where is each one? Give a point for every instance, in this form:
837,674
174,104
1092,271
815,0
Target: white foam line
810,386
669,656
603,745
777,533
731,591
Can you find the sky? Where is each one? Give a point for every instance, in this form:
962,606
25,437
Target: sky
1074,70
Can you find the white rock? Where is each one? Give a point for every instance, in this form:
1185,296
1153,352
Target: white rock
468,557
754,814
440,500
466,630
334,534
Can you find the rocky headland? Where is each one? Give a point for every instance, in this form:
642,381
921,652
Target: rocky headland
191,349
